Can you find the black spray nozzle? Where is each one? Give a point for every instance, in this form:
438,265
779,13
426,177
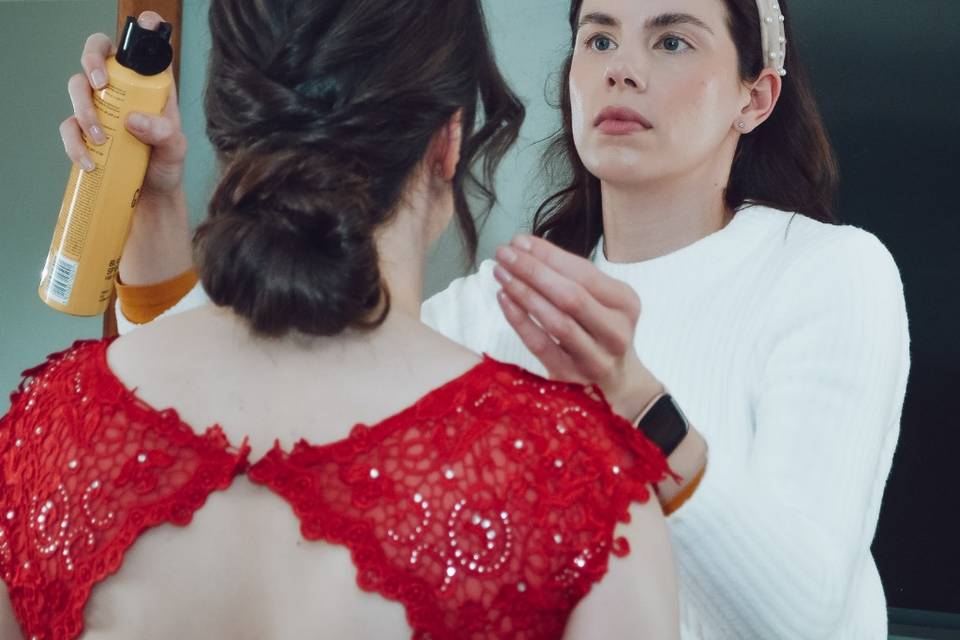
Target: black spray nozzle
144,51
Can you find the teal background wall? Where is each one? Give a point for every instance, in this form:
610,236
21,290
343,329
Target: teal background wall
40,45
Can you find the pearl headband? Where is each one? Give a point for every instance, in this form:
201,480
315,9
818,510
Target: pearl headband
773,35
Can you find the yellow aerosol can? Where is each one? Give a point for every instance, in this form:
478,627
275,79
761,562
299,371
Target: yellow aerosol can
98,205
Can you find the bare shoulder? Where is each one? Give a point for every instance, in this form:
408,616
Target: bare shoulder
207,365
190,352
182,334
9,628
638,597
433,351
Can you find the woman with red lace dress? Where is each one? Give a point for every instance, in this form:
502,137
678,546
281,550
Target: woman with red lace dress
303,458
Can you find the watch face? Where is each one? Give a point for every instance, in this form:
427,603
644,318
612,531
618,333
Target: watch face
665,424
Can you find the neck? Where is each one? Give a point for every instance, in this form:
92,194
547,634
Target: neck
403,245
649,220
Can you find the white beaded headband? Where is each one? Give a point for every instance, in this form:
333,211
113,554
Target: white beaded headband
773,35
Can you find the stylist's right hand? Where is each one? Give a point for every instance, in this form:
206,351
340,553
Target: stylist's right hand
165,172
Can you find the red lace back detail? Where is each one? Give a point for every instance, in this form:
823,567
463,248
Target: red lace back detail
87,468
487,508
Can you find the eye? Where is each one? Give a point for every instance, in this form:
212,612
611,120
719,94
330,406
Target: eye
673,44
601,43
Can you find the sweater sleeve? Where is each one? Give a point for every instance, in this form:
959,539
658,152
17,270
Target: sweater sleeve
141,304
773,541
194,298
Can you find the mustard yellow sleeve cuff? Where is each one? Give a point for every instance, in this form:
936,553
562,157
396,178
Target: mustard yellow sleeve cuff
142,304
685,494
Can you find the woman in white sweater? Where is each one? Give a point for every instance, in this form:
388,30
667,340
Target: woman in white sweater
693,250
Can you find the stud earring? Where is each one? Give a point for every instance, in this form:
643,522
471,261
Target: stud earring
741,124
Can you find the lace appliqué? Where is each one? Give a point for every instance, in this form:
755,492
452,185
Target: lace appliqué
487,509
87,467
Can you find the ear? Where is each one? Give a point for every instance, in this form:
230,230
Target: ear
759,100
445,154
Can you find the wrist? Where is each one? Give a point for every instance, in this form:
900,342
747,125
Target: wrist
687,461
159,245
637,391
637,396
161,208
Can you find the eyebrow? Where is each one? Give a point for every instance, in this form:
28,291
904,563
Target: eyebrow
670,19
602,19
657,22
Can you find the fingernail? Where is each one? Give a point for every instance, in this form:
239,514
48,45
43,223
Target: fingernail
523,242
87,165
98,78
97,134
502,274
506,254
137,121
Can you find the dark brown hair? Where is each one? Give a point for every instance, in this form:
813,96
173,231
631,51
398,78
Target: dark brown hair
786,163
320,111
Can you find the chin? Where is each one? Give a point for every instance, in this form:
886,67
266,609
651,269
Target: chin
627,170
620,162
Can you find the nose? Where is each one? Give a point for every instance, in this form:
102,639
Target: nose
619,75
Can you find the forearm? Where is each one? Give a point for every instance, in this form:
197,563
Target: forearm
158,247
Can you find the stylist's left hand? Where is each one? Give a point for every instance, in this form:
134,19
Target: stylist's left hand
578,321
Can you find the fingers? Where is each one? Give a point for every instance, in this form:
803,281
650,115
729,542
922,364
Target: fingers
96,50
169,150
94,59
149,20
73,144
558,363
85,124
171,110
82,99
156,131
99,47
612,328
592,361
608,291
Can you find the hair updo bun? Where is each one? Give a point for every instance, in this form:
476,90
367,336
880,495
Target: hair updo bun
289,245
320,112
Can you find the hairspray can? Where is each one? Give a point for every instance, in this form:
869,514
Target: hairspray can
98,206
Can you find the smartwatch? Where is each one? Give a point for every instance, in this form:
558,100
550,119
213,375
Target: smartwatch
664,423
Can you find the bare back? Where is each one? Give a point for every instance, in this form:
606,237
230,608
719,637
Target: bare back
242,567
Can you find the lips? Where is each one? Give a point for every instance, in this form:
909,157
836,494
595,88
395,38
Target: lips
621,120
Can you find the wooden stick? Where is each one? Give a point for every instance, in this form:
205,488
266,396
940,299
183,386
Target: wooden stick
172,12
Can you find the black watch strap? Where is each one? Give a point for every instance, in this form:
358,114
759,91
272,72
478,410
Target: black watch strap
664,423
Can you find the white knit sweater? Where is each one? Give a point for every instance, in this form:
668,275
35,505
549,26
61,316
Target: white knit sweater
785,342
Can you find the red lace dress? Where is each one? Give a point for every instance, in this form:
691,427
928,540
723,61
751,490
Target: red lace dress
487,508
